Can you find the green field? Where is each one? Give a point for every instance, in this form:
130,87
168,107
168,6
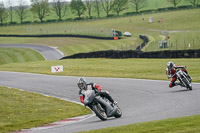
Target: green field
21,109
119,68
18,55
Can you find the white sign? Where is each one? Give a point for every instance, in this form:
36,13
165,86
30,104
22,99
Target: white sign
189,45
56,69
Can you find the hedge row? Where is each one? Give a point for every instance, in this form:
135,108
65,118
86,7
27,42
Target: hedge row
137,54
145,41
60,35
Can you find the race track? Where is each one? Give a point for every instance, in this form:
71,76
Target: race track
47,52
140,100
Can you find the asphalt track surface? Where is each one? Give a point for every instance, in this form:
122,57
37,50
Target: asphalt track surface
140,100
49,53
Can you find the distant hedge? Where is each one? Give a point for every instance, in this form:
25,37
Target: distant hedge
60,35
145,41
137,54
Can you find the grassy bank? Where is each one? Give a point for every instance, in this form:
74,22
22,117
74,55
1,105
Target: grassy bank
119,68
178,125
21,109
151,4
18,55
185,21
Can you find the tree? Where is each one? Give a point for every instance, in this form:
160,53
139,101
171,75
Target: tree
194,2
119,5
10,10
77,7
97,7
107,6
89,6
60,8
174,2
40,8
139,4
3,13
21,10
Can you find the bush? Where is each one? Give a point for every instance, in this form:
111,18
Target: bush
185,7
148,11
130,13
52,20
27,22
13,23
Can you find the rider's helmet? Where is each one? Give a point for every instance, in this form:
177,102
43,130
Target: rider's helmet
170,65
82,83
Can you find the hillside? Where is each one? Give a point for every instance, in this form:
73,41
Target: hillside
182,26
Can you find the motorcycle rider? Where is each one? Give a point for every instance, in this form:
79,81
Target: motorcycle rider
83,86
170,72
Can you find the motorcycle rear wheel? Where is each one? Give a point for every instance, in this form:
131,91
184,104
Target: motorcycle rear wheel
101,114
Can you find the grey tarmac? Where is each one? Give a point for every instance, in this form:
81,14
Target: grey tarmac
140,100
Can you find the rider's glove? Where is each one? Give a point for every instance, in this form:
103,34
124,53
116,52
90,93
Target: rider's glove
169,76
98,93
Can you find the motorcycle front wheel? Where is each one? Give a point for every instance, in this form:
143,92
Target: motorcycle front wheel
100,112
118,113
188,84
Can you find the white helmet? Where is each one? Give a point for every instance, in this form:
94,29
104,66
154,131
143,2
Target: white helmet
82,83
170,65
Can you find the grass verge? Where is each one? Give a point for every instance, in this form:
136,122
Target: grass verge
18,55
119,68
21,109
189,124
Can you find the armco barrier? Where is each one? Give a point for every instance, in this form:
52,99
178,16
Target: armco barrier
137,54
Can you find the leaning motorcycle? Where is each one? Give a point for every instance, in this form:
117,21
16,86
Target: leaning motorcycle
184,79
102,107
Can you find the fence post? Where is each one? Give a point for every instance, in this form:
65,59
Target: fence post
193,44
184,45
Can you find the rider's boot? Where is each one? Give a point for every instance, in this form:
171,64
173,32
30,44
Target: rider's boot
179,83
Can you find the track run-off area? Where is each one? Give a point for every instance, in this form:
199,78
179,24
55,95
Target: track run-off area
49,53
140,100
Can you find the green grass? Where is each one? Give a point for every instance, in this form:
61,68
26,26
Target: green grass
189,124
21,109
18,55
119,68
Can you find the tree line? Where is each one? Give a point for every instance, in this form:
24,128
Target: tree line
42,8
